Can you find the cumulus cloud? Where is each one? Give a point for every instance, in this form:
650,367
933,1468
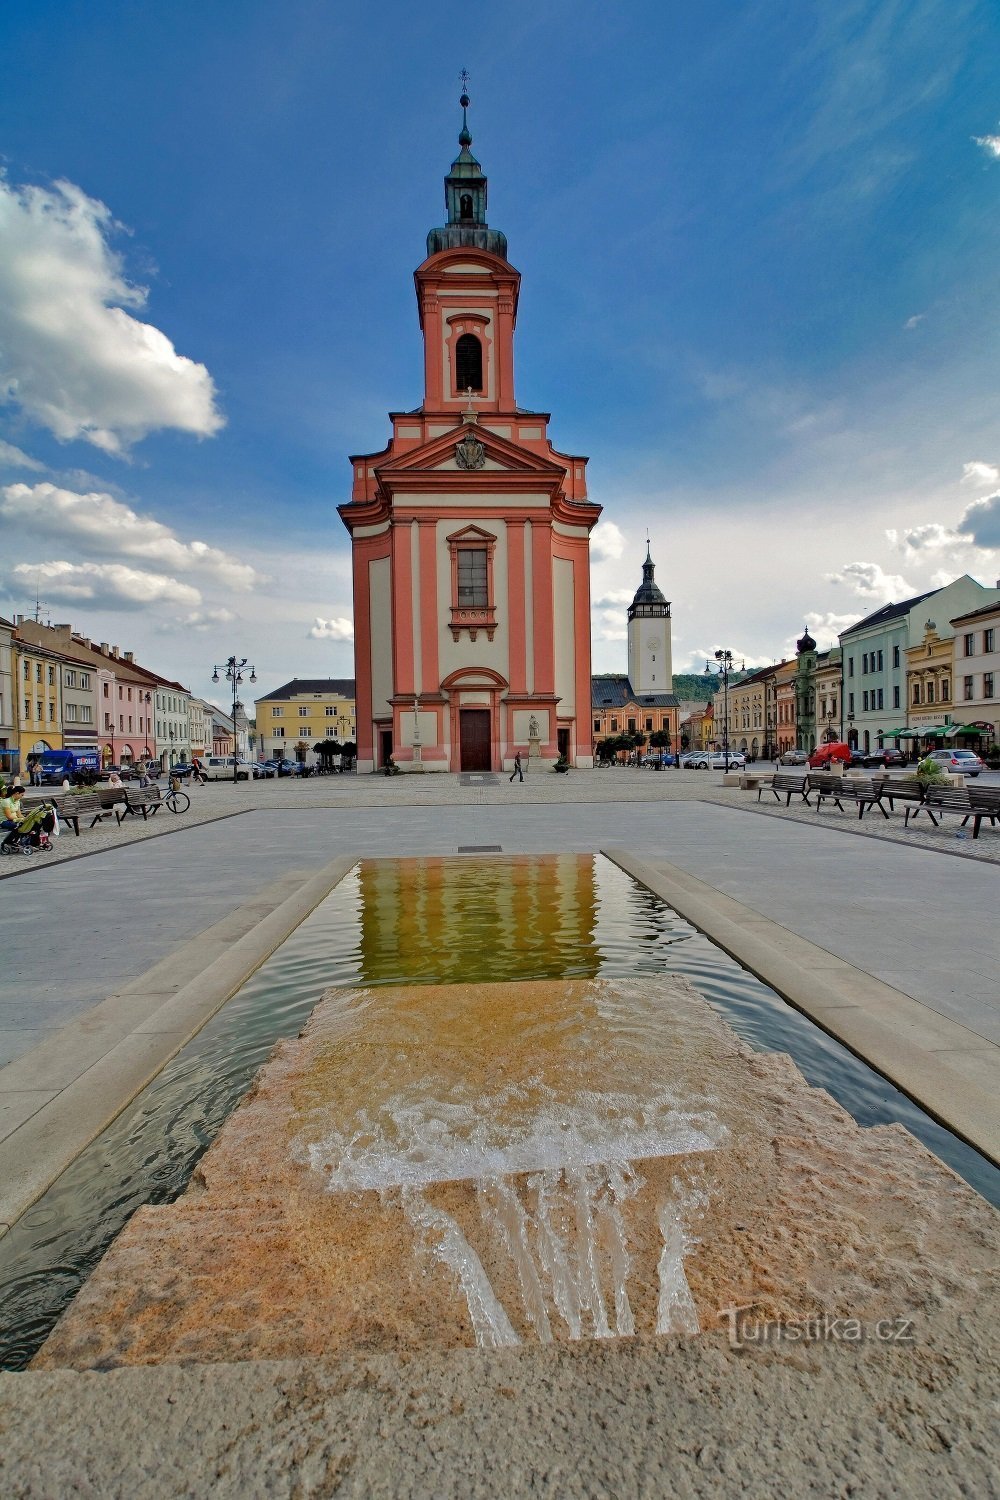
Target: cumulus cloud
609,624
105,585
989,143
870,582
98,523
71,357
826,628
930,538
606,542
979,473
338,629
614,598
981,522
204,619
15,458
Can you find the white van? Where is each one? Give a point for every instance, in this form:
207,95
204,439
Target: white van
220,768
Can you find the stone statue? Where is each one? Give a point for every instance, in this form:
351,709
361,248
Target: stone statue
470,453
533,730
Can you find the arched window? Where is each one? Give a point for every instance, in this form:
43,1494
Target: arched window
465,206
469,363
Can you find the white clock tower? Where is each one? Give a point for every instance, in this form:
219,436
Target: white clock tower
650,665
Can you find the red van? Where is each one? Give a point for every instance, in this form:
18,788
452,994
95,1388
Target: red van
828,755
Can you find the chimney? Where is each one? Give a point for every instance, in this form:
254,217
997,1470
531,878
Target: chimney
84,640
19,619
114,652
128,655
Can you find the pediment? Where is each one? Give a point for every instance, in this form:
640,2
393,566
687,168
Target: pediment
484,452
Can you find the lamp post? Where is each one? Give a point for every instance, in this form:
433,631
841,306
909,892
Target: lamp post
234,668
829,716
850,730
724,668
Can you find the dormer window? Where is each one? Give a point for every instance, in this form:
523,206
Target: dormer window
469,363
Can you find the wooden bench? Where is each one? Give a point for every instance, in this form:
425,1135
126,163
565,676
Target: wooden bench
863,791
76,805
946,799
145,800
910,789
985,800
792,786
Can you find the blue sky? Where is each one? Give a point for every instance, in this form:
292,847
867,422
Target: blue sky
760,289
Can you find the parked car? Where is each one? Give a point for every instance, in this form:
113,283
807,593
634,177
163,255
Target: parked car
656,758
962,762
837,752
266,769
717,760
886,757
793,758
220,768
288,767
182,770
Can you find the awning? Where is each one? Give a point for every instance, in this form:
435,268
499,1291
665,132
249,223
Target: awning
894,734
933,730
975,729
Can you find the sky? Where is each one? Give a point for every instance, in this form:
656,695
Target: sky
761,286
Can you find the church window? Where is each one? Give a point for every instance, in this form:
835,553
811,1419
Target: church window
473,588
469,363
465,206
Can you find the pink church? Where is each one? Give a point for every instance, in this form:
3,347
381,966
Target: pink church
470,536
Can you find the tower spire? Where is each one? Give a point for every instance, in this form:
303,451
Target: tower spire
465,198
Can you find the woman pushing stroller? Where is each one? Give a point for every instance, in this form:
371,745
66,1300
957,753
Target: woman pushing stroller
25,831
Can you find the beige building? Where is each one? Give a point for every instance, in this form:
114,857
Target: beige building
303,713
930,674
976,673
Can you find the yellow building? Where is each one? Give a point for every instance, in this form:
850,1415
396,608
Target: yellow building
304,713
37,704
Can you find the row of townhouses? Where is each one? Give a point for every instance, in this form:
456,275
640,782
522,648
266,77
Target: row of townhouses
61,691
921,673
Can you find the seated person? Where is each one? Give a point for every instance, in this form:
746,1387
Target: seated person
11,812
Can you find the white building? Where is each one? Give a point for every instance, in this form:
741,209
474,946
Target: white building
977,676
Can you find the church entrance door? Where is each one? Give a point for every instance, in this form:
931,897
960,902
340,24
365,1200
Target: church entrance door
475,739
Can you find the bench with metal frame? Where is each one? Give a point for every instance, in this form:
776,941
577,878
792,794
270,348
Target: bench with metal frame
945,799
147,800
77,805
792,786
863,791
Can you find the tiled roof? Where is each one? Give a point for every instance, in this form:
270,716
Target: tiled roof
341,687
613,690
889,612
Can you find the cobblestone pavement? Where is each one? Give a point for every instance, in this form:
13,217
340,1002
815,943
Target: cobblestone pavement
221,800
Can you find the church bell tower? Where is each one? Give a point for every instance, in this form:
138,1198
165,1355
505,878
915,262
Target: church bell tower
650,664
470,534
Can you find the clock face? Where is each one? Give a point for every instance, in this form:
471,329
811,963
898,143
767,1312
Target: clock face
652,645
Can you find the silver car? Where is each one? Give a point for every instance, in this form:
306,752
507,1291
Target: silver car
958,762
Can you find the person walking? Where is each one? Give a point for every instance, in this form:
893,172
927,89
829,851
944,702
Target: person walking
517,771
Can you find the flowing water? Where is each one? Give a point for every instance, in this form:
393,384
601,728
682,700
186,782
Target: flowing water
446,921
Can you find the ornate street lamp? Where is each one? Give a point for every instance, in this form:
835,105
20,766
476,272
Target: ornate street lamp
234,669
724,668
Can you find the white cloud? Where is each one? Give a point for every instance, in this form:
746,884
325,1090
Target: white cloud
606,542
15,458
870,582
979,473
339,629
981,522
204,619
111,585
915,321
71,357
989,143
826,627
614,598
932,537
100,524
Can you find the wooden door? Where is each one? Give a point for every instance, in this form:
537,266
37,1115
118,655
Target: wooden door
475,730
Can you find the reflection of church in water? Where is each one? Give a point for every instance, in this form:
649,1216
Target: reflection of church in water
470,535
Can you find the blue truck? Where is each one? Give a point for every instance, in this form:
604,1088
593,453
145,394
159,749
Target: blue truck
57,766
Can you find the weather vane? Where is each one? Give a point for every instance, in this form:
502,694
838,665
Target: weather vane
463,79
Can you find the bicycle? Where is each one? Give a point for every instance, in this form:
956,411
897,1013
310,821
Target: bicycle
177,801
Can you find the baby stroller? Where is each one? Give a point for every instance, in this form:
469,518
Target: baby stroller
33,832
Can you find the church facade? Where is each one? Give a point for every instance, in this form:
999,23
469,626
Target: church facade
470,536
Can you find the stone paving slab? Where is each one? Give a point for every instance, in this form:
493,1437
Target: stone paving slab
93,1066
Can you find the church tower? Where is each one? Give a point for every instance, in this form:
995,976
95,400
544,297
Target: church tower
470,535
650,656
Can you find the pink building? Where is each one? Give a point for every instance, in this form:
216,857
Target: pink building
470,535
